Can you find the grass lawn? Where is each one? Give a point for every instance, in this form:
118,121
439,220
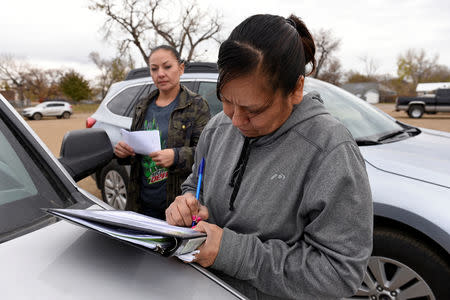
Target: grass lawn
85,108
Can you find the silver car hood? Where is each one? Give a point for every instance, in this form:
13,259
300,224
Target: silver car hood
424,157
64,261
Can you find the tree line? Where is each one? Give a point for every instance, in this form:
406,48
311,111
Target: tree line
140,25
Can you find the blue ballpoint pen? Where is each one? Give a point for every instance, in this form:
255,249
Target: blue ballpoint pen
199,184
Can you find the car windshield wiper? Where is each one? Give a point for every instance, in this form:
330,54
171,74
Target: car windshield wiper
391,135
366,142
411,131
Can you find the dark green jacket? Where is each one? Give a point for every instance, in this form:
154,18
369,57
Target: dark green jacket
185,126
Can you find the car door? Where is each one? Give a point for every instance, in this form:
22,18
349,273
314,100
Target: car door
443,100
208,90
51,109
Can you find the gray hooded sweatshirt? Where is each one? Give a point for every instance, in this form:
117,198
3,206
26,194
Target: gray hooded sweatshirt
301,223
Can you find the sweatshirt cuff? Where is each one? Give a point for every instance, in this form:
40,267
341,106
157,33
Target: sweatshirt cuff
231,253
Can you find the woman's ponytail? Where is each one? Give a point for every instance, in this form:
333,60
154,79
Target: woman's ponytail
307,40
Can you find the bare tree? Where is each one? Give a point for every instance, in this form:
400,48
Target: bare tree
111,70
28,81
414,65
13,73
42,84
326,46
145,24
371,66
332,72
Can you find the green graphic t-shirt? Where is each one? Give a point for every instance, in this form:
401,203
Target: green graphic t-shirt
153,179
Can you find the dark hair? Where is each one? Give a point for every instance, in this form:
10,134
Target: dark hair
174,51
279,48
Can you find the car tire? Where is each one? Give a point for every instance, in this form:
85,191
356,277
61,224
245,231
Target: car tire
114,182
37,116
415,111
403,267
65,115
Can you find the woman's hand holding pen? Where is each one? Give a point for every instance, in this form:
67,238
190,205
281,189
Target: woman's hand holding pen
123,150
182,209
163,158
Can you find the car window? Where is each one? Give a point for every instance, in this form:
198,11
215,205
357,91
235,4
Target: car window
15,181
189,84
25,186
208,91
361,118
121,102
148,88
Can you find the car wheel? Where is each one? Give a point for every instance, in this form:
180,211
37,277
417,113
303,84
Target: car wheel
66,115
402,267
415,111
114,182
37,116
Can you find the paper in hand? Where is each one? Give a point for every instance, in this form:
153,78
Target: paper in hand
143,142
188,257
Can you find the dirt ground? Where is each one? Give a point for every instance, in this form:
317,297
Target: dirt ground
52,130
439,121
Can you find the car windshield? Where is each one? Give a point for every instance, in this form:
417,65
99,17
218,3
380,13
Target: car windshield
364,121
25,185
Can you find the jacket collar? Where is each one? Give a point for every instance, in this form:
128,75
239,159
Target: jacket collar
185,95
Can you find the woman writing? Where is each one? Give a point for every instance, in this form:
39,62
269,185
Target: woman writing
180,116
285,195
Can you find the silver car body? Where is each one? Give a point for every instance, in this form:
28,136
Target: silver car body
416,169
59,260
48,109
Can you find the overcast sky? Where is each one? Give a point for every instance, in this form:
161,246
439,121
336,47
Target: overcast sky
61,34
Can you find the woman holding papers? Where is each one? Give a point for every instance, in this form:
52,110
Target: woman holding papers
285,198
180,116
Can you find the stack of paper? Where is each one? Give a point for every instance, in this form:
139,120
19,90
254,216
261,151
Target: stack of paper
145,231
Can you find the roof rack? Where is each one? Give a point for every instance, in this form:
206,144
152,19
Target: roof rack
193,67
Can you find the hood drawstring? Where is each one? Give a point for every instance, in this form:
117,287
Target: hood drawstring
239,170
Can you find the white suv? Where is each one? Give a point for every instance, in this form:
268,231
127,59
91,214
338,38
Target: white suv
59,109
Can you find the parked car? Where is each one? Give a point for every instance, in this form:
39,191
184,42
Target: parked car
59,109
430,104
43,258
408,168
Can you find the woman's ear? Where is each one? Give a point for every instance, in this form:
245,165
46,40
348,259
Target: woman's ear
296,96
181,68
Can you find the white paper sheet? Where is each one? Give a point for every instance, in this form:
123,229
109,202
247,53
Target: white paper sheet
143,142
188,257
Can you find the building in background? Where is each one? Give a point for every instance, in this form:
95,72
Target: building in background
372,92
429,88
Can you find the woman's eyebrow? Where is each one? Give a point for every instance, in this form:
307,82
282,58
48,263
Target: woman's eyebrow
155,65
256,107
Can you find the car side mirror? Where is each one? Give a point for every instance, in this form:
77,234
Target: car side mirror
84,151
